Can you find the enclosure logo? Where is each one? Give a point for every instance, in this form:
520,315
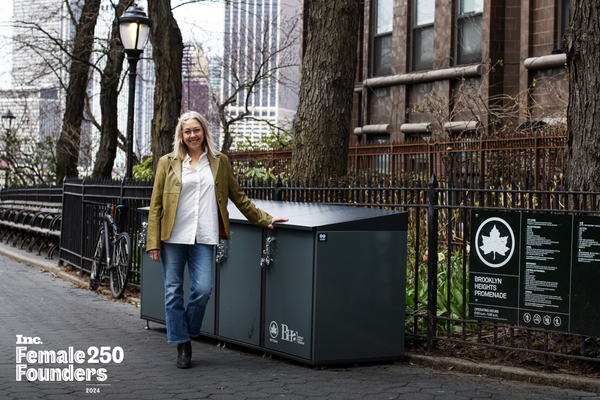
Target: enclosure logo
273,329
287,334
495,242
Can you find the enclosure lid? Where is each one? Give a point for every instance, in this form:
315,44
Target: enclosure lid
311,216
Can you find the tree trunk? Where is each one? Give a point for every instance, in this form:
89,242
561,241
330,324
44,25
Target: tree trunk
583,53
109,93
321,133
67,148
167,52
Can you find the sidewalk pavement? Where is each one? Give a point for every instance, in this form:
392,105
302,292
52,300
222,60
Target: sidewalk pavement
42,316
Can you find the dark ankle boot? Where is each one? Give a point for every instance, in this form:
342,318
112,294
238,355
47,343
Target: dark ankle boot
184,355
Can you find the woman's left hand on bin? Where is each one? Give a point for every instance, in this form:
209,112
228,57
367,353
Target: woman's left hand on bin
277,219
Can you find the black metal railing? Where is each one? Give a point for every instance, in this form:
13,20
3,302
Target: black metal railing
43,193
84,201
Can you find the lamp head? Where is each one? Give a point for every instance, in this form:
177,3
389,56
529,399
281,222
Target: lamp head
134,26
7,119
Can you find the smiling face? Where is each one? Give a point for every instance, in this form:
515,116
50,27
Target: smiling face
193,136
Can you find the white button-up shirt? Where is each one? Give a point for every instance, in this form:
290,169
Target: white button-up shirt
197,216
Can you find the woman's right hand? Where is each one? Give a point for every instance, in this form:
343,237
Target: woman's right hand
155,255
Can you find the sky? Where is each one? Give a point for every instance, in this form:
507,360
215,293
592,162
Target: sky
5,31
200,22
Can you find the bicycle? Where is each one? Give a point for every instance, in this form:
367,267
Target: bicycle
112,254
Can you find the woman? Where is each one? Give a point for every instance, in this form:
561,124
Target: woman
188,215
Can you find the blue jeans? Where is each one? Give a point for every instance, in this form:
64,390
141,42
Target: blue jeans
182,323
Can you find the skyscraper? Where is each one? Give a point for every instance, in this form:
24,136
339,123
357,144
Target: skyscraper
260,64
195,94
39,67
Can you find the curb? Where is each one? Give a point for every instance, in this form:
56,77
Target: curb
504,372
52,267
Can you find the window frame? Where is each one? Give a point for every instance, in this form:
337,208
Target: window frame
465,17
561,25
378,68
420,28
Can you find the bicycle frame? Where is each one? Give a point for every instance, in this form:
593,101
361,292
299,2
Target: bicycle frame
109,242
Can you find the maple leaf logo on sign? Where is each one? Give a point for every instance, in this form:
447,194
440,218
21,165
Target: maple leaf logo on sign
494,243
496,247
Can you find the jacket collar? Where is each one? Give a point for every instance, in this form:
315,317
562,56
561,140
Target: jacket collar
176,163
214,165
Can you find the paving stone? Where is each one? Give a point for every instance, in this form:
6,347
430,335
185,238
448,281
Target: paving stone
417,396
438,391
474,394
348,396
285,397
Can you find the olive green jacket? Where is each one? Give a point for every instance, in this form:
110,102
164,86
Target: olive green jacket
165,196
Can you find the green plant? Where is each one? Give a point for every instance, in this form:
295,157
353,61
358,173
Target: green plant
271,141
592,348
143,170
262,173
417,283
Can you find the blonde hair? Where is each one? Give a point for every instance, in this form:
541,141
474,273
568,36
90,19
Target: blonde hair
180,148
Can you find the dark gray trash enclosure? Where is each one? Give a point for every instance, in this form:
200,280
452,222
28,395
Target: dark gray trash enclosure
326,287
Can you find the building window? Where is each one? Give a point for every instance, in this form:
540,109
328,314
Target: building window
563,20
379,138
423,34
384,14
470,18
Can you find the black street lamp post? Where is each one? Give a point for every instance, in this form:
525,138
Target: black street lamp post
134,27
7,121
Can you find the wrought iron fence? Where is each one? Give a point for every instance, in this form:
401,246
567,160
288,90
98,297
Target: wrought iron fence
438,255
43,193
522,156
84,201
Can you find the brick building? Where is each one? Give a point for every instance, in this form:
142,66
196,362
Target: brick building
508,52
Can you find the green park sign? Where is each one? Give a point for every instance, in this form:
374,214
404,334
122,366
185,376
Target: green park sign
536,270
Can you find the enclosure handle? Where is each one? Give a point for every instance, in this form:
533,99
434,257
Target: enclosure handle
142,236
266,259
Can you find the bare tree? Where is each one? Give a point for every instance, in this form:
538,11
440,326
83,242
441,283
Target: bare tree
51,54
322,130
167,45
583,154
27,147
109,93
67,150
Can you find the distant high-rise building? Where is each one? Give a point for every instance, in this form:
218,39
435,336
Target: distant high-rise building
39,68
195,94
260,61
214,73
40,28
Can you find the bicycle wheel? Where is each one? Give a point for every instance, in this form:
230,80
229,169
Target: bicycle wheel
119,274
98,262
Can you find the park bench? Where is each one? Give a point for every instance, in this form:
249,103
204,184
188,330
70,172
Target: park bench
33,222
